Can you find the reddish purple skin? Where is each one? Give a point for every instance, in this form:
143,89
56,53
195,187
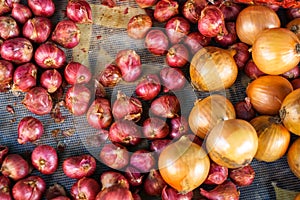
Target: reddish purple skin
5,188
217,174
37,29
51,80
9,27
168,75
15,167
6,74
21,13
44,8
177,56
226,190
169,193
165,10
44,158
149,87
154,183
30,188
143,160
166,106
110,76
87,188
177,28
24,77
243,176
196,41
110,178
155,128
134,176
77,73
79,11
157,42
30,129
114,156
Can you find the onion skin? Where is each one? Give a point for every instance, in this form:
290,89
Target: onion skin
155,128
9,27
138,26
44,158
178,126
3,153
5,185
252,20
145,4
191,10
177,28
6,75
44,8
296,83
242,54
21,13
157,42
282,55
15,167
208,112
244,110
165,10
293,157
289,112
209,62
30,129
114,156
110,76
159,144
227,190
273,138
149,87
228,39
195,41
166,106
154,183
267,93
177,56
252,71
37,29
51,80
18,50
85,188
30,188
168,75
24,78
79,11
134,176
180,162
111,178
232,149
55,190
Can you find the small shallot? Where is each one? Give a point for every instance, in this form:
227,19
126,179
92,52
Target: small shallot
134,176
79,11
143,160
217,174
242,54
110,76
192,9
243,176
30,188
15,167
155,128
5,188
77,73
158,145
24,77
44,158
6,75
195,41
154,183
20,12
228,39
157,42
252,71
114,192
176,29
165,10
111,178
166,106
179,127
230,10
168,76
293,73
149,87
51,80
138,26
226,190
3,153
244,110
114,156
85,188
8,27
170,193
37,29
177,56
43,8
30,129
55,190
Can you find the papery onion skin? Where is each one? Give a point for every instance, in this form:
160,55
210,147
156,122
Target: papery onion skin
99,114
195,41
4,8
15,167
154,183
30,129
110,76
242,54
6,75
9,27
293,157
176,29
289,112
242,176
79,11
111,178
180,162
155,128
208,112
252,20
134,176
145,4
21,13
5,188
24,78
37,29
213,69
252,71
143,160
191,9
267,93
138,26
177,56
44,8
276,56
170,193
273,138
217,174
226,190
232,143
77,73
168,75
114,192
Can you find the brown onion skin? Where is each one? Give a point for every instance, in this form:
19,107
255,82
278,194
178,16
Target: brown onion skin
49,55
44,8
111,178
66,33
25,77
134,176
195,41
77,73
77,99
44,158
38,101
252,71
79,11
149,87
30,129
99,114
191,10
5,188
267,93
85,188
18,50
155,128
242,54
37,29
157,42
126,107
129,63
217,174
176,29
169,193
243,176
30,188
9,27
15,167
6,75
110,76
125,132
168,76
80,166
114,156
143,160
293,157
51,80
114,192
166,106
177,56
21,13
226,190
165,10
138,26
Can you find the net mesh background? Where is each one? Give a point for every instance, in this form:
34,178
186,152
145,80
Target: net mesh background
113,40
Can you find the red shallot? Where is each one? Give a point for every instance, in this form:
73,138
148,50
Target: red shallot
149,87
43,8
114,156
30,129
8,27
79,11
77,73
30,188
15,167
20,12
51,80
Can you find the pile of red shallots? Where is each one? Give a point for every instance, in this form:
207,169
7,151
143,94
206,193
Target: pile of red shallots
33,62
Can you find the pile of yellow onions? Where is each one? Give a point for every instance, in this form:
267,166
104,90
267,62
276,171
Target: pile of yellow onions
213,68
267,93
273,138
184,165
208,112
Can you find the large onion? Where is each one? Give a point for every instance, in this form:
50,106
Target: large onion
293,157
209,111
266,93
252,20
184,165
277,55
213,68
273,138
290,112
232,143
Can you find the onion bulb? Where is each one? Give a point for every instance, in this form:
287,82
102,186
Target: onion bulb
273,138
232,143
277,55
213,68
209,111
290,112
252,20
294,26
184,165
293,157
266,93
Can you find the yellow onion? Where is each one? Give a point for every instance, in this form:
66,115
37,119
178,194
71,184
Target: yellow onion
252,20
213,69
276,51
294,26
209,111
290,112
266,93
232,143
184,165
293,157
273,138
